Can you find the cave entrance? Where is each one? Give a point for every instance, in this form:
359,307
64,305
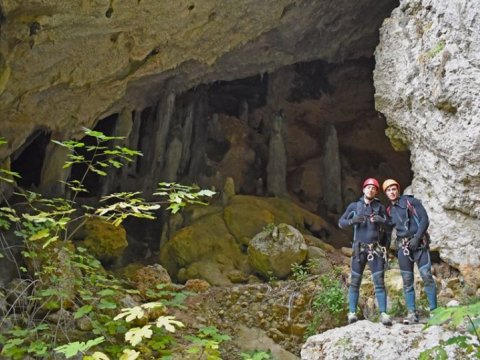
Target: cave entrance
28,160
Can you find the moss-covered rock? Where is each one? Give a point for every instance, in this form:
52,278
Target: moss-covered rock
205,240
273,251
104,240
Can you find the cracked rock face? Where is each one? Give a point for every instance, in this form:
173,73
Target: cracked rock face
63,65
367,340
427,81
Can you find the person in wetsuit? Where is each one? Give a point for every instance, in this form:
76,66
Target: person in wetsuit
409,218
367,216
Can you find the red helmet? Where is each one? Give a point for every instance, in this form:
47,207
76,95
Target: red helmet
371,181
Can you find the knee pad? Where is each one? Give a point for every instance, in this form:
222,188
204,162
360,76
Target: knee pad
355,280
378,279
426,274
407,279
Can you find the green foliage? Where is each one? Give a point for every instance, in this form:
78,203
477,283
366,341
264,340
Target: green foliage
300,272
72,349
59,275
206,343
257,355
328,302
454,317
398,307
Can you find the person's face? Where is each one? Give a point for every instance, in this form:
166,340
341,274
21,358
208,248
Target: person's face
370,191
392,192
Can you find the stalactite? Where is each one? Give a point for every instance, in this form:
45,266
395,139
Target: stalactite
173,155
332,171
200,139
187,137
129,173
277,158
53,173
123,129
165,110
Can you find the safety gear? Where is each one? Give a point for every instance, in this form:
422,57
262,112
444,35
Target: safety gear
385,319
413,243
429,285
354,291
390,182
371,181
410,318
380,293
352,317
357,219
378,219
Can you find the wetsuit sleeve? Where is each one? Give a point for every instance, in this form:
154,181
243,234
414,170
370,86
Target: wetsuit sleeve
344,220
422,217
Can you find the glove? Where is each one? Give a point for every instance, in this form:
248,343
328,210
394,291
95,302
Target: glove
357,219
378,219
413,243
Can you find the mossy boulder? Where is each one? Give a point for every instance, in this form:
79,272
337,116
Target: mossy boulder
273,251
206,240
105,241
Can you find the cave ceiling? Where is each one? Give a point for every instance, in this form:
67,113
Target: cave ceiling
66,65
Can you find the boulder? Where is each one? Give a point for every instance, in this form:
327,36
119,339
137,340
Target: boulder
368,340
104,240
273,251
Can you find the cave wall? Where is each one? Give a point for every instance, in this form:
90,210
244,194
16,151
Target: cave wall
427,81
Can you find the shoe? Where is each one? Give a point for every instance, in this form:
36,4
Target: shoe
352,317
410,318
385,319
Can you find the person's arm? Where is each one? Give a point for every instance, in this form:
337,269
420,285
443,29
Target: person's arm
350,217
344,220
422,218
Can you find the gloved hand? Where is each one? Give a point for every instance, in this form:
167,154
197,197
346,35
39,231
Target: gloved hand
378,219
413,243
357,219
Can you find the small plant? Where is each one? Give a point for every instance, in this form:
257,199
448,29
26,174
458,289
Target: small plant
328,302
205,345
299,272
454,317
257,355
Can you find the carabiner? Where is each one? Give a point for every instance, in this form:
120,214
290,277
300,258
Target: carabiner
370,256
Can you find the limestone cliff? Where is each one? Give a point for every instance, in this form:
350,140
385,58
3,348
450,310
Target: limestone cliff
427,82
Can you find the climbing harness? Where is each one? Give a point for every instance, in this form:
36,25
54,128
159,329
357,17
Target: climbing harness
374,249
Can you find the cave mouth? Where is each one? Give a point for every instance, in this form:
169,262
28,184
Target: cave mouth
28,160
311,127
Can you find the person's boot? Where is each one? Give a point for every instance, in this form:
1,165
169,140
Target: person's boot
352,317
385,319
410,318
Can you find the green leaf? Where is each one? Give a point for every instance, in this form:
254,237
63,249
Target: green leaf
84,310
106,292
105,304
40,234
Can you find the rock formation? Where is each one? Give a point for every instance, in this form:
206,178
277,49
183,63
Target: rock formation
427,81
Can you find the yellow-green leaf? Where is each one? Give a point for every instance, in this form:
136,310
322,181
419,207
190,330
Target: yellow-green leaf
40,234
135,335
168,323
129,355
